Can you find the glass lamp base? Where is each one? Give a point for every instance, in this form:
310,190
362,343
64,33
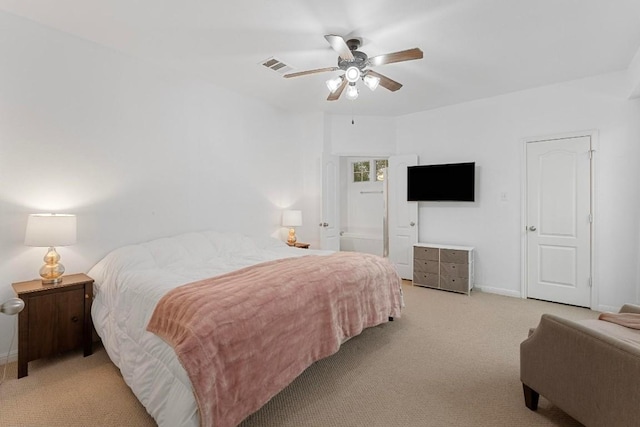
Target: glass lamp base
292,237
51,281
52,271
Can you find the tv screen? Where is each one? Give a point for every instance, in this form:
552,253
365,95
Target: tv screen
447,182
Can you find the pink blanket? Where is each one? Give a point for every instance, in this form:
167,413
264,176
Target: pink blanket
244,336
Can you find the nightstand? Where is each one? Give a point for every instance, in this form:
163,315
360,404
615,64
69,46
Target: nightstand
56,318
300,245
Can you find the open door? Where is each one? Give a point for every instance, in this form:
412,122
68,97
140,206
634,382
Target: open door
330,209
402,216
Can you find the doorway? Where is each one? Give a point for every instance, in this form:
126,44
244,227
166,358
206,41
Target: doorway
382,215
362,203
558,220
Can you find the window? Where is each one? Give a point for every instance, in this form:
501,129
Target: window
380,165
361,171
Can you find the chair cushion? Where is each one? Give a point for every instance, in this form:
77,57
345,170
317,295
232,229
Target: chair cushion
628,335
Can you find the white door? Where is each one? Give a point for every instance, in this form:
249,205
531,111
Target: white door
330,215
558,222
402,216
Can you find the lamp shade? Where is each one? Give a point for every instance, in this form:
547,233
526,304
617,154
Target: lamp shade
334,84
47,230
292,218
371,82
352,92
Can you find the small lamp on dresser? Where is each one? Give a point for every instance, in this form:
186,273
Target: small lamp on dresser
291,219
51,230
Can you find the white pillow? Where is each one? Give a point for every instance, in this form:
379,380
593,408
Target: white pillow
231,243
268,243
166,251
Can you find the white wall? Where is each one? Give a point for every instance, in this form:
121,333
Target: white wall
367,136
490,132
135,152
308,172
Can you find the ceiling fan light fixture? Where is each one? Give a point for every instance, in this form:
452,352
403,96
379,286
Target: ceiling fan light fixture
334,84
371,82
352,92
352,74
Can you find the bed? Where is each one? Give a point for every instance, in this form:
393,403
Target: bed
137,289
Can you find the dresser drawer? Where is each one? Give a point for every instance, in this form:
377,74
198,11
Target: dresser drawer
455,256
422,252
425,266
456,284
450,269
426,279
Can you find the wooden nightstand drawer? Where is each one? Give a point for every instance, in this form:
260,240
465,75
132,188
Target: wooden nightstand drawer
62,334
55,319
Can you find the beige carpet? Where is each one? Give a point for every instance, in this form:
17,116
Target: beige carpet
451,360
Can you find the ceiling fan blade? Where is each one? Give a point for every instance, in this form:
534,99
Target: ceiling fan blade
335,95
404,55
339,45
304,73
385,81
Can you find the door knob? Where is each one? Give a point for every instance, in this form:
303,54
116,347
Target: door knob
412,223
532,228
324,224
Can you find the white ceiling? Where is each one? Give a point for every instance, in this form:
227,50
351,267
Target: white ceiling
472,48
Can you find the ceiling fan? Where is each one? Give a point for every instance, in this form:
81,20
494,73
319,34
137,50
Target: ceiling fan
356,65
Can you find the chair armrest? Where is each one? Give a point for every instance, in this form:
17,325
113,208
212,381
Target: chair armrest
590,375
630,308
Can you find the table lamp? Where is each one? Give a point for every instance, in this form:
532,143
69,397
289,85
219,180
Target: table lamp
291,219
51,230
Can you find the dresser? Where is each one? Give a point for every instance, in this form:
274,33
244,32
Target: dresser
445,267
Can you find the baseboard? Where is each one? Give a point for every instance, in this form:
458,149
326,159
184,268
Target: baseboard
13,356
498,291
608,308
516,294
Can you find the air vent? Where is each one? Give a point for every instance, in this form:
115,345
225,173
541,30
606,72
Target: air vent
276,65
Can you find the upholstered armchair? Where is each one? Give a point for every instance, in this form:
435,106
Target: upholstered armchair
590,369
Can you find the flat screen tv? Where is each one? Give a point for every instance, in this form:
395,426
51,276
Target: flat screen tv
454,182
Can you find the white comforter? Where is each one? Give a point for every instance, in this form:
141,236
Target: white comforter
128,284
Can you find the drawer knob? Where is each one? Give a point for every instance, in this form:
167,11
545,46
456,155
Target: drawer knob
74,319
